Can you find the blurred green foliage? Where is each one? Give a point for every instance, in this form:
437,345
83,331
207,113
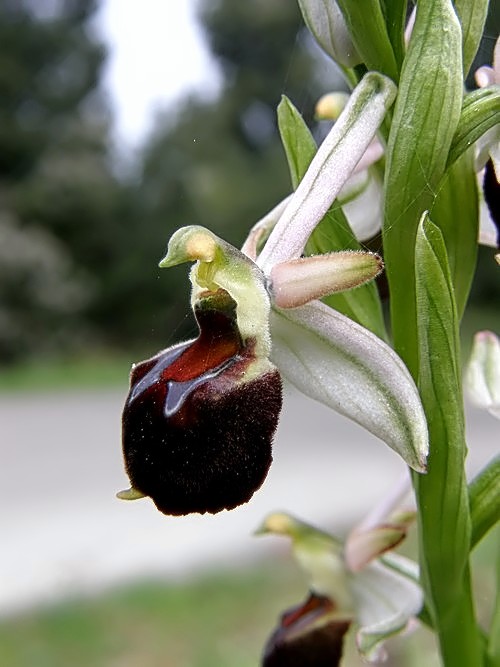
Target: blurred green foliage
79,246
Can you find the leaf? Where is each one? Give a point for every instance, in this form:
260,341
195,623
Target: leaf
442,493
336,362
480,112
417,152
395,16
472,15
297,140
484,491
366,24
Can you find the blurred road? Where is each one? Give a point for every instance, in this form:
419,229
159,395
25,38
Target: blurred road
62,530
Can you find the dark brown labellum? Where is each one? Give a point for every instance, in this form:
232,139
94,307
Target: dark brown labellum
307,635
491,189
197,434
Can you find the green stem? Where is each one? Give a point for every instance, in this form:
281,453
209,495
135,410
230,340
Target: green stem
442,496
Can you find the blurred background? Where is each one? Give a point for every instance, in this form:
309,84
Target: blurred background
120,122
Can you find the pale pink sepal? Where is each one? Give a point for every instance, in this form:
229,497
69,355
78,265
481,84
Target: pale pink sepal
261,230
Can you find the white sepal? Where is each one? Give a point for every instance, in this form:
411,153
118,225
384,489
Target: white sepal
386,600
482,377
337,362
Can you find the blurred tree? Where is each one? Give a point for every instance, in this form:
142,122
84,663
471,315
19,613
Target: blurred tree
79,248
59,200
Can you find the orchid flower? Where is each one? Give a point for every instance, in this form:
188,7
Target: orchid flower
358,582
482,376
200,417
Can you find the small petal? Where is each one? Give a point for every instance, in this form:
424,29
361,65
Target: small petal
382,528
299,281
482,377
386,600
261,230
363,547
330,168
341,364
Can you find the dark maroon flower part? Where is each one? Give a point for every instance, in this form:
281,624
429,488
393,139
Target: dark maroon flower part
199,418
491,189
308,634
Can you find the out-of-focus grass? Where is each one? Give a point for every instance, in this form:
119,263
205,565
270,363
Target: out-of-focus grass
75,373
218,620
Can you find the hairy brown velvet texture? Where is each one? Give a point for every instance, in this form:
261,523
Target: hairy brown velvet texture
197,435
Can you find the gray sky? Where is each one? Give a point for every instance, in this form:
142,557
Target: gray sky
156,52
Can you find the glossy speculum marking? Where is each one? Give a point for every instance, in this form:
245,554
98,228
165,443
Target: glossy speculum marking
197,434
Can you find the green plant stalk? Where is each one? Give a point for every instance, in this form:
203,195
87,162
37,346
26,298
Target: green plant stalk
480,112
456,212
417,150
493,655
444,516
484,501
395,16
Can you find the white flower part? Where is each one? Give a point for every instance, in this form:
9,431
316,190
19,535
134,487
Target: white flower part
487,76
487,229
330,168
482,376
372,154
383,598
410,25
337,362
386,597
364,212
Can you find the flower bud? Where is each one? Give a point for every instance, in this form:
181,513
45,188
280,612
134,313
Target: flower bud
200,416
331,105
